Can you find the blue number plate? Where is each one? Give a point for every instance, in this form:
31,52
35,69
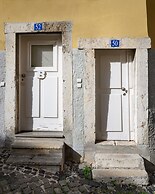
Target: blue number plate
115,43
38,26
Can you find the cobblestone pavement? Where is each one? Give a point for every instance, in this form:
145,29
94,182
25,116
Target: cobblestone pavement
27,180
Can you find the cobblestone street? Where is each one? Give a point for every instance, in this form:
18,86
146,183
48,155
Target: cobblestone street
27,180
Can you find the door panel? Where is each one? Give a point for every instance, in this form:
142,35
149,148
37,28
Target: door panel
112,95
32,97
111,122
40,83
49,97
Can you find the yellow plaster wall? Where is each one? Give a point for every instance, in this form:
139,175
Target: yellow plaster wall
91,18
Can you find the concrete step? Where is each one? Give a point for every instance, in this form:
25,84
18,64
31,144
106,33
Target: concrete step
123,176
40,152
48,159
35,142
125,161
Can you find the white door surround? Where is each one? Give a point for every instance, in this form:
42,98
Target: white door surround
11,97
140,45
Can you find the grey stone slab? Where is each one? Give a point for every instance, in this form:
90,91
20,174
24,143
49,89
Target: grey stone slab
123,176
78,101
123,161
40,143
2,98
41,134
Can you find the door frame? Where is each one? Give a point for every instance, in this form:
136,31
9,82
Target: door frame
11,96
140,45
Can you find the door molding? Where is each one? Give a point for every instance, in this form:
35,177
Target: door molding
11,104
140,45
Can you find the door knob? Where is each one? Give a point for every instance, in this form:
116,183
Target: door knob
124,90
23,75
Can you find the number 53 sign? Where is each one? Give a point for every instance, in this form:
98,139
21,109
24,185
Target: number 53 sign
115,43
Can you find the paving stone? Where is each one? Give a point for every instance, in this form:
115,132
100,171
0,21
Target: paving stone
18,192
24,185
83,189
49,191
37,191
47,185
14,186
62,182
65,189
73,184
58,191
26,180
6,188
26,190
0,190
56,185
74,192
34,179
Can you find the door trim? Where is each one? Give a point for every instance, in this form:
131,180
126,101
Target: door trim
141,46
39,122
11,105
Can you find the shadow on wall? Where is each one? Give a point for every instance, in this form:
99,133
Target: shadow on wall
151,76
150,5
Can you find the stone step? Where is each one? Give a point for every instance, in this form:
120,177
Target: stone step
121,176
35,142
48,159
122,161
41,152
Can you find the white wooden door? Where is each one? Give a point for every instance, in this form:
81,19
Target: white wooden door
40,83
112,95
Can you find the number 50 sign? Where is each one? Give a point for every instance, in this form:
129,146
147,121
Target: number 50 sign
115,43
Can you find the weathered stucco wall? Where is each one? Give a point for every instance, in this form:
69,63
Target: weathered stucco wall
91,18
78,102
2,96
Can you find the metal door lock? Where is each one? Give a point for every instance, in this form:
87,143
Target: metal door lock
23,75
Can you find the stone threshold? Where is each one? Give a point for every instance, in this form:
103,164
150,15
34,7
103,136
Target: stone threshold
41,134
117,143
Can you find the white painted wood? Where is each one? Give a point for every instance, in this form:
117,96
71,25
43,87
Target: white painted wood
132,93
32,96
40,86
49,97
112,103
112,121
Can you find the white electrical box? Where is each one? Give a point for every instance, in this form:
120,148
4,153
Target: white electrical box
79,80
2,84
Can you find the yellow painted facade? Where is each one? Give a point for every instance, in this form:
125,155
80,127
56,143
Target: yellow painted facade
90,18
